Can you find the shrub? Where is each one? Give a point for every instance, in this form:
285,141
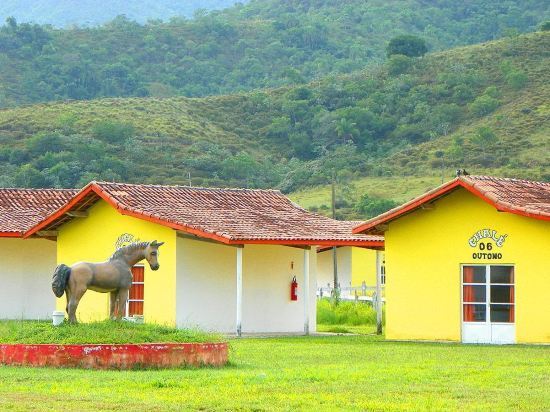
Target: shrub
516,79
112,131
399,64
484,136
484,105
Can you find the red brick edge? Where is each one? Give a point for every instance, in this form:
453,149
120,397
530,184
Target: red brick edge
119,356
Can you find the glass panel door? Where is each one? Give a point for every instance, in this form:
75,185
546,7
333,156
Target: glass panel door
488,304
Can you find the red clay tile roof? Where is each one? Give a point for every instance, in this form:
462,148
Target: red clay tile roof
521,197
21,209
227,215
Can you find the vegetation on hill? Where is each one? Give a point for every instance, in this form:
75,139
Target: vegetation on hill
62,13
482,107
266,43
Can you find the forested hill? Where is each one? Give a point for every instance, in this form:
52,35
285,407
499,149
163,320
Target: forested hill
482,107
265,43
61,13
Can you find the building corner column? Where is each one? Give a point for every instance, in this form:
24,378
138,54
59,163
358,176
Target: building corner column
378,302
306,289
239,314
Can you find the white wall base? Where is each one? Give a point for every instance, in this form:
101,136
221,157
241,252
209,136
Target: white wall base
26,273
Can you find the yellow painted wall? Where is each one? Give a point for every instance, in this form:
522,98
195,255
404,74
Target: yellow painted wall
363,266
93,238
424,251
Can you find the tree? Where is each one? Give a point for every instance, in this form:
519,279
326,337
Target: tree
407,45
346,130
28,176
483,137
44,142
370,206
456,151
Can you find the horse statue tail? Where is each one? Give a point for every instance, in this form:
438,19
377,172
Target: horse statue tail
60,279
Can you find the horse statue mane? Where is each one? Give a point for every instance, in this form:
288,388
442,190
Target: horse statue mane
128,248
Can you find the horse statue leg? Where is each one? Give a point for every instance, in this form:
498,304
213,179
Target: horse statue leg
122,297
81,275
74,299
113,305
68,296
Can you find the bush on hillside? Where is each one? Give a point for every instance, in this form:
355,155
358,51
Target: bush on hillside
113,132
399,64
407,45
484,105
516,79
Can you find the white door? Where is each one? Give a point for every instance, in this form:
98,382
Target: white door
488,308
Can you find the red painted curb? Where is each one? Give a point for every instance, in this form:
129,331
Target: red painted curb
119,356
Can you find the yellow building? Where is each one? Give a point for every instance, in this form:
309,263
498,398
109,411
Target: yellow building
469,261
228,259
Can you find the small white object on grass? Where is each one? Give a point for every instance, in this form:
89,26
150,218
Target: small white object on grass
58,317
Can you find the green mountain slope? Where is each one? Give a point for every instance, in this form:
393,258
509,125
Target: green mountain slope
61,13
483,107
266,43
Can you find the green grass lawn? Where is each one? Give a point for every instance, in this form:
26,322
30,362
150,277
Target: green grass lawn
305,373
98,332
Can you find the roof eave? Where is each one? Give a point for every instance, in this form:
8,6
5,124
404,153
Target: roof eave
11,234
310,242
371,225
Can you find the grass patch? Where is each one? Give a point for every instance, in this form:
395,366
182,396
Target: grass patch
333,329
33,332
348,329
345,313
305,373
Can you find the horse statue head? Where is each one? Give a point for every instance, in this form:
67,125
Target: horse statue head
151,253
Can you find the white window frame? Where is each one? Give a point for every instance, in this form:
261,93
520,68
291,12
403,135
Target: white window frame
487,285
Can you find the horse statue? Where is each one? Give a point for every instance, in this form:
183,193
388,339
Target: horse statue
113,276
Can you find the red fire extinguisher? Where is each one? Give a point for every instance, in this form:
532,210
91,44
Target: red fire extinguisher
294,289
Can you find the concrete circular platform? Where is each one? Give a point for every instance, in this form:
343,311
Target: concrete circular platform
116,356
